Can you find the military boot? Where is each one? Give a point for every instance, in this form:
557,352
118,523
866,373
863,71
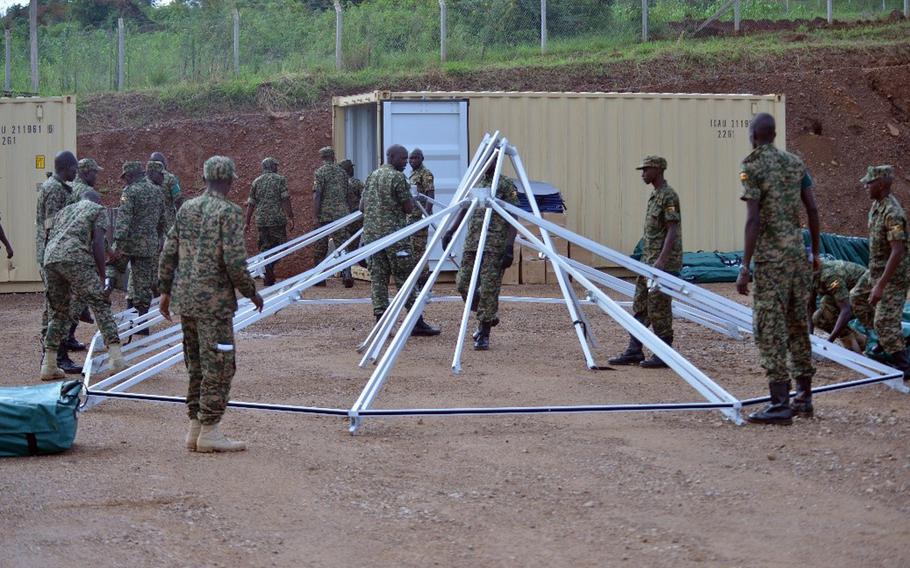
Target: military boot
482,341
347,278
269,278
115,358
73,344
901,362
802,402
212,440
49,369
778,411
65,363
493,323
193,435
423,329
655,362
631,356
145,332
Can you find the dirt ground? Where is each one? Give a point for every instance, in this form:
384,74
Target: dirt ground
670,489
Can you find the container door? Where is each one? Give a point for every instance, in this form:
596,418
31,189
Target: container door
440,129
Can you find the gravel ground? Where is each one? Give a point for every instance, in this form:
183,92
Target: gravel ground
668,489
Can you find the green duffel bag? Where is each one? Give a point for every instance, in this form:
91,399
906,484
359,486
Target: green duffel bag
38,419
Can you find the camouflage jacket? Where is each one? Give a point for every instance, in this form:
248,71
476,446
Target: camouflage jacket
71,238
170,191
836,278
887,222
663,208
774,178
204,258
52,197
498,233
384,196
332,183
355,192
140,219
80,188
267,194
422,179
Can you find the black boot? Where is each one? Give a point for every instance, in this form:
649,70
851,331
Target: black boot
269,278
901,362
65,363
86,317
779,411
631,356
482,341
423,329
655,362
347,278
802,402
146,331
71,343
493,323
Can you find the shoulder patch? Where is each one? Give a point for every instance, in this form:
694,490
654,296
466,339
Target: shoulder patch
743,176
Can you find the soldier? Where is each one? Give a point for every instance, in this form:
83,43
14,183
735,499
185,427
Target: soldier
86,179
835,282
662,249
330,195
140,223
170,190
53,196
774,183
203,261
422,179
355,186
74,268
498,255
386,202
886,286
270,200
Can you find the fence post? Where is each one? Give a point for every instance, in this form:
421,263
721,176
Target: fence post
33,41
339,28
121,54
830,11
907,8
7,40
443,30
736,16
236,41
543,26
644,20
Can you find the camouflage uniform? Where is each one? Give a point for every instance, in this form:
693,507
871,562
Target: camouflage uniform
140,222
782,276
489,281
332,182
203,261
887,222
654,308
80,188
170,191
267,194
355,192
835,282
384,197
71,272
53,196
422,179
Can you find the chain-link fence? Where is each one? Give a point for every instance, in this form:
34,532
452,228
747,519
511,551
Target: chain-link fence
180,43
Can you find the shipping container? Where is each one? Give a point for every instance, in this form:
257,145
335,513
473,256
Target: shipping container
32,131
585,144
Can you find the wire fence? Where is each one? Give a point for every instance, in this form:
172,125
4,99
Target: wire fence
186,44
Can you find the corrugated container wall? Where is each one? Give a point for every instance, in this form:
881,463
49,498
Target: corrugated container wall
588,145
32,131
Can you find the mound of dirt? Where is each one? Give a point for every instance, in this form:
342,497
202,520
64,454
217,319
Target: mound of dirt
725,28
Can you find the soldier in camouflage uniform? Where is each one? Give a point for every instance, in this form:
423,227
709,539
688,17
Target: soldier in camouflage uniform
140,223
888,281
270,200
775,186
203,261
385,204
835,282
662,249
330,195
170,191
355,192
74,268
53,196
498,255
422,180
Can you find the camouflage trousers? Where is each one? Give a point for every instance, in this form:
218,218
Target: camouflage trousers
77,306
271,237
387,264
826,314
208,351
780,320
66,281
321,248
489,283
143,278
117,272
418,247
885,317
653,309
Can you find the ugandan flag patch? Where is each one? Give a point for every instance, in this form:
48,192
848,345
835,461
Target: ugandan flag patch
743,176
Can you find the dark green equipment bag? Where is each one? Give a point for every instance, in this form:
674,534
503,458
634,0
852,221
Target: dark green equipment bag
38,419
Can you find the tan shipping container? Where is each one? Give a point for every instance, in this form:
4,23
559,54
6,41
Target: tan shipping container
32,131
587,145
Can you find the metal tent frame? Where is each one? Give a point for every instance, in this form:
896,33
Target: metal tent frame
161,350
